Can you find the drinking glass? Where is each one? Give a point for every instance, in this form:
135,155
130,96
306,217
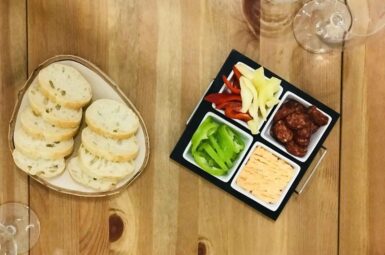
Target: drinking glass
19,228
322,26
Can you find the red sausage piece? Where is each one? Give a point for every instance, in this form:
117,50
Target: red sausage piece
316,116
295,149
297,120
281,132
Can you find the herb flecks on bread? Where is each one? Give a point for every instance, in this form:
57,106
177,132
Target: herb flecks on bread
65,85
100,167
41,148
109,148
112,119
75,169
36,126
46,168
52,112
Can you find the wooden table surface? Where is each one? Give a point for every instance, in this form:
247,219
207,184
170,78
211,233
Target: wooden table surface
163,54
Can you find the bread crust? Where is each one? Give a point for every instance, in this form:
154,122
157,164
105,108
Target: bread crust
42,167
123,122
78,175
54,77
39,148
50,111
37,127
103,168
108,148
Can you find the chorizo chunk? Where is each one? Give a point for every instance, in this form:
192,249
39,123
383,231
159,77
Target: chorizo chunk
302,141
313,127
297,120
305,132
281,132
295,149
288,108
316,116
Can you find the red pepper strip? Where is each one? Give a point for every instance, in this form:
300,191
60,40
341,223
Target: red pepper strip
236,84
234,104
223,105
233,111
237,73
219,98
230,86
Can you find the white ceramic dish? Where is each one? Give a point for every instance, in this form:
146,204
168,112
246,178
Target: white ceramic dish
102,87
247,139
314,138
272,207
240,121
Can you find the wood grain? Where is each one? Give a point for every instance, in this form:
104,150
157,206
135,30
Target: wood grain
164,53
13,72
362,175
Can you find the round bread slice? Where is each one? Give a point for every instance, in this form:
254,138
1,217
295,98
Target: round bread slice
75,169
53,113
65,85
108,148
45,168
99,167
40,148
37,127
112,119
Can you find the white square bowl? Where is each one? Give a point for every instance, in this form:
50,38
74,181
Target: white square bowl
225,88
272,207
246,138
314,139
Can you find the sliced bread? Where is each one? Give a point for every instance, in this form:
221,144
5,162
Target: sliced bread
39,148
75,169
108,148
112,119
99,167
45,168
37,127
65,85
53,113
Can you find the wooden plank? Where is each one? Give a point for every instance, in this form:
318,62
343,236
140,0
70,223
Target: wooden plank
13,73
69,225
362,198
164,54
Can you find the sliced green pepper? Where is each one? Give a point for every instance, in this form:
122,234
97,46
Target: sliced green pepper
237,142
207,128
211,152
230,139
205,162
226,142
215,147
220,152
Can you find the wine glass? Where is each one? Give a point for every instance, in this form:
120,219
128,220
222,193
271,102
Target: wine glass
19,228
322,26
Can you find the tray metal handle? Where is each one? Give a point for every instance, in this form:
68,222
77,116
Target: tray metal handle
310,172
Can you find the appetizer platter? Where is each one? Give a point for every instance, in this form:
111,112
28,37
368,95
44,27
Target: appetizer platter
254,135
74,131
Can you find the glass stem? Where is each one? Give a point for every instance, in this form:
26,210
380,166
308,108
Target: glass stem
7,231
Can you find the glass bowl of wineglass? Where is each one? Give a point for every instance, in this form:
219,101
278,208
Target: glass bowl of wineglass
322,26
19,228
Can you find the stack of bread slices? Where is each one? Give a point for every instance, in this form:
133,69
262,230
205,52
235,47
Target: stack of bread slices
109,146
51,120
